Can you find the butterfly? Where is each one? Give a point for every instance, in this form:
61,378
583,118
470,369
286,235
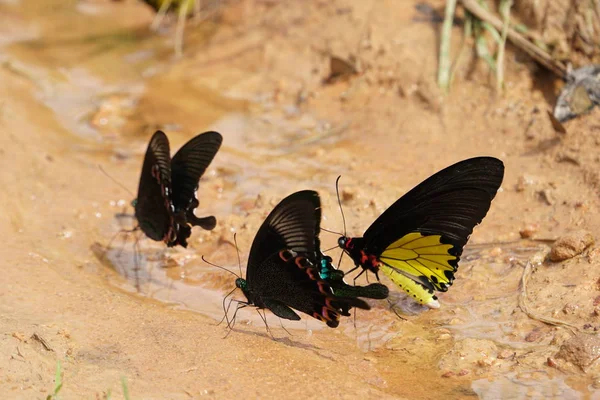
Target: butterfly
283,272
166,198
417,242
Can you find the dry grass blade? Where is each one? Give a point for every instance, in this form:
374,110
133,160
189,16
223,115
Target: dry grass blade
516,39
444,63
505,6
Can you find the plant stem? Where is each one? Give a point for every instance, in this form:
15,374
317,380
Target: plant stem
444,62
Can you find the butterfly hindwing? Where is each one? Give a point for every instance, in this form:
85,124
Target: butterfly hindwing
153,208
188,166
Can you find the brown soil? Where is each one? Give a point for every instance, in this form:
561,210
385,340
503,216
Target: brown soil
85,83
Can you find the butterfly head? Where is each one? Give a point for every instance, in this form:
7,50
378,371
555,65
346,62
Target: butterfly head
345,243
241,284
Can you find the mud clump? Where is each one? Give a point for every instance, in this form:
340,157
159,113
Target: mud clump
570,245
582,351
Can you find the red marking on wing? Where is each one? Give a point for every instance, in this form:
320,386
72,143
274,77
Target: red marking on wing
286,255
303,262
324,288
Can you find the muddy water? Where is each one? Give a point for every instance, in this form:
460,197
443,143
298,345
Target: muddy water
106,83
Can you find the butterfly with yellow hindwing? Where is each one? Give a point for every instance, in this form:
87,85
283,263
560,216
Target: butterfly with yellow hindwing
417,242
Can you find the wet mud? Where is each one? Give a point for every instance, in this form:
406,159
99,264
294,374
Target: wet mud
520,321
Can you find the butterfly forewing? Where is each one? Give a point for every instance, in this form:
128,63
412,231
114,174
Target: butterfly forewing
450,204
153,209
293,224
189,164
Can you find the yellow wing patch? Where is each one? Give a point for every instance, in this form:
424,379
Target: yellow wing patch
419,263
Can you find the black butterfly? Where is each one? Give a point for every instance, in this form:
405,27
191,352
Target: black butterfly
283,272
418,241
167,192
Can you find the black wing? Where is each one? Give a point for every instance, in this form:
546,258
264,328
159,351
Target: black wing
450,203
293,224
153,208
189,164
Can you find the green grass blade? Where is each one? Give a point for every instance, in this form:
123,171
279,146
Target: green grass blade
125,388
495,35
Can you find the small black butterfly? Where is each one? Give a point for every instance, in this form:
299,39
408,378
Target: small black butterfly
283,270
166,198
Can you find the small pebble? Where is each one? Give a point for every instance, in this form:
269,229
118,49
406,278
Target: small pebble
534,335
571,245
528,231
506,354
569,308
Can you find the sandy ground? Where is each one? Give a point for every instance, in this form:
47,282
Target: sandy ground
72,99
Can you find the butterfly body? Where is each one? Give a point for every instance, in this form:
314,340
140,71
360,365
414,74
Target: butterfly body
166,198
417,242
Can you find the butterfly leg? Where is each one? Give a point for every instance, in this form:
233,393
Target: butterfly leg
264,318
123,232
281,323
136,262
226,309
231,325
357,276
393,308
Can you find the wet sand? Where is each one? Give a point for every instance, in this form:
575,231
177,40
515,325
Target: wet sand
90,95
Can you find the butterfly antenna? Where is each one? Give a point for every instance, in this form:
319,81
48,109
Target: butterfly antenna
115,181
218,266
337,190
334,247
238,252
334,232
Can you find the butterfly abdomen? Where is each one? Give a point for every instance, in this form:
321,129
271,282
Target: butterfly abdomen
416,290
